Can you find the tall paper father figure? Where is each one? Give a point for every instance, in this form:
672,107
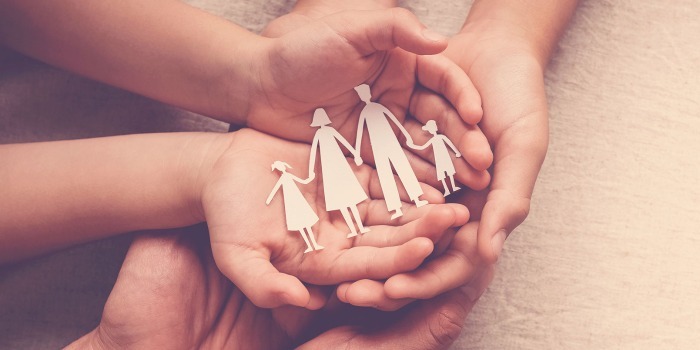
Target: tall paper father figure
299,214
342,190
387,152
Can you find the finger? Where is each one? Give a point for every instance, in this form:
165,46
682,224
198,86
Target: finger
455,267
318,297
378,263
429,192
433,225
470,140
465,173
433,324
380,30
444,77
519,153
413,213
251,271
369,293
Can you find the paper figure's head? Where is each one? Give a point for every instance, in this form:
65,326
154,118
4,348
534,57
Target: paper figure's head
363,92
320,118
430,127
281,166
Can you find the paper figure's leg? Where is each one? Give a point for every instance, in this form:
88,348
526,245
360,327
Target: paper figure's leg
447,190
313,239
388,185
348,220
308,245
455,188
356,215
408,178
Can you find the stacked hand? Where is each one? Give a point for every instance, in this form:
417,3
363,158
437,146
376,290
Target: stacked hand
172,276
252,246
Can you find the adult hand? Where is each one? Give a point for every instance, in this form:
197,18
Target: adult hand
170,295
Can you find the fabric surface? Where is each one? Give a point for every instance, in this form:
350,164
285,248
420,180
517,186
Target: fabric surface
608,258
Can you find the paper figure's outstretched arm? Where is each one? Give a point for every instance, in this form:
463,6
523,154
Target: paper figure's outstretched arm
393,118
274,191
312,156
419,148
302,181
452,146
345,142
360,131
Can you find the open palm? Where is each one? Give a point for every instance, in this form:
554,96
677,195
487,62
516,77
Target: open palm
253,247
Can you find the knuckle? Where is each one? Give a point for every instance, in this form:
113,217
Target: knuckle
446,327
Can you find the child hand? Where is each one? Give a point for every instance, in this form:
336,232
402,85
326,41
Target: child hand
394,85
253,247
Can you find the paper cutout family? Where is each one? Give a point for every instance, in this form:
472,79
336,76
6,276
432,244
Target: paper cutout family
341,188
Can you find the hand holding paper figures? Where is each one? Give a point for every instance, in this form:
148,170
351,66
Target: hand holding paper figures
262,257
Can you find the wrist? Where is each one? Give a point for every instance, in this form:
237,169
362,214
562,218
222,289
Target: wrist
198,158
240,79
495,38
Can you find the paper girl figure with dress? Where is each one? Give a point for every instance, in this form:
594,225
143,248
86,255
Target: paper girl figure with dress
299,214
443,162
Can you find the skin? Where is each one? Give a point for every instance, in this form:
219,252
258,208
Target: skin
198,307
504,47
136,182
192,59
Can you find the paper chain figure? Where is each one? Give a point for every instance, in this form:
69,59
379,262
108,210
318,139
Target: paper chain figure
341,188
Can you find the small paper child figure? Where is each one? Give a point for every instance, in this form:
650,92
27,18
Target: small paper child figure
387,152
342,190
443,162
299,214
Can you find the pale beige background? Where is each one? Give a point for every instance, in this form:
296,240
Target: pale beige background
608,258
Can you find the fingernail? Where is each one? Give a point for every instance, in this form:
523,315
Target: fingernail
433,36
497,242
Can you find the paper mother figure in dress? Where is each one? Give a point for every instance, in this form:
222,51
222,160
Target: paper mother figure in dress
342,190
299,214
387,152
443,162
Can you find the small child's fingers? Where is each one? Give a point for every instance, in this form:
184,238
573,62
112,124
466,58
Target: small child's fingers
318,297
412,213
252,272
379,263
380,30
456,267
369,293
436,223
438,73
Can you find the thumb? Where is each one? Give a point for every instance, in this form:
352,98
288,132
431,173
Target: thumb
251,271
380,30
519,153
